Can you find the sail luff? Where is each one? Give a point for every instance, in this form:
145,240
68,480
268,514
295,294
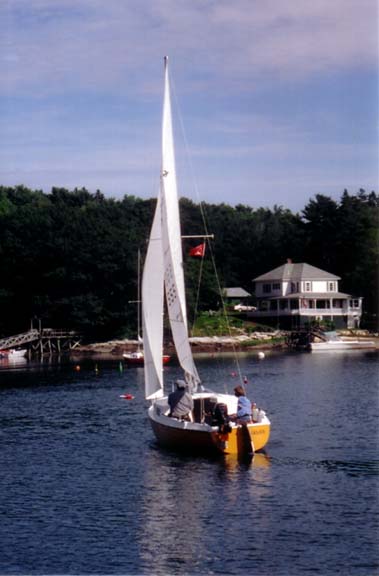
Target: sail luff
152,309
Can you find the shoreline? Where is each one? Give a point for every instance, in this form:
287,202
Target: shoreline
211,344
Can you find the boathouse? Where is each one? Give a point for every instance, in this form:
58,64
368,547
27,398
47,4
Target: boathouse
237,298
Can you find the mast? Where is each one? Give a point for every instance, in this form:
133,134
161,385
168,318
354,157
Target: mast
139,298
138,301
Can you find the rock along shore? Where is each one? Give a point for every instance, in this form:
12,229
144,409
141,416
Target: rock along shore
211,344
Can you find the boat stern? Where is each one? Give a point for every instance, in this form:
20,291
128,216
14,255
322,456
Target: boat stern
200,437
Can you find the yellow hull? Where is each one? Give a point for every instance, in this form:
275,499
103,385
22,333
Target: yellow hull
242,439
201,438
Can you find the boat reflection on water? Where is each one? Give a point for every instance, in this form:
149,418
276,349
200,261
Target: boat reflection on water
13,362
258,460
180,510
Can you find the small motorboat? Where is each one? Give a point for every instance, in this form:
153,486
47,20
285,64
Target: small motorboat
137,358
332,342
12,354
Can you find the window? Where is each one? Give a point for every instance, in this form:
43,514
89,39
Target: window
293,287
266,288
276,286
308,287
331,287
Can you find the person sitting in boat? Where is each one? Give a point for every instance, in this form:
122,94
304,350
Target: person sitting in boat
181,402
243,415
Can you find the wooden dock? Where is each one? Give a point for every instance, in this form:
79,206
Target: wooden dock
46,341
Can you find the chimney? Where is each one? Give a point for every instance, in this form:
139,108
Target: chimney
289,260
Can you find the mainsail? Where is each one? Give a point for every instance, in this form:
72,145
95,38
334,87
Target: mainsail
166,227
172,246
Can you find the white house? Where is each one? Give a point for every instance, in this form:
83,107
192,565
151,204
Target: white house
295,295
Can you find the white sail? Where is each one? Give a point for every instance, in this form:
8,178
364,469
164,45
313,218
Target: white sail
164,270
152,310
172,246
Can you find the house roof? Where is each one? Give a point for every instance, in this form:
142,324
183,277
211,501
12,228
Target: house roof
236,293
301,271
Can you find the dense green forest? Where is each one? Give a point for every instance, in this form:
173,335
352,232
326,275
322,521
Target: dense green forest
69,258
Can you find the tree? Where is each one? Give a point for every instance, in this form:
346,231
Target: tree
70,257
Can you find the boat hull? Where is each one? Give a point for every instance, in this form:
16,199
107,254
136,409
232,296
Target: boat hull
140,361
202,438
13,353
336,345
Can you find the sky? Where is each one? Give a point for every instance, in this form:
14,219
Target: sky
274,101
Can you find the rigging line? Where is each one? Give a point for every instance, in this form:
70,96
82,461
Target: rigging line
203,216
198,292
226,315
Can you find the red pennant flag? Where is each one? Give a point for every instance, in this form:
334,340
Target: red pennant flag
198,251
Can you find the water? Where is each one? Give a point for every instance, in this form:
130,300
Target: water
85,489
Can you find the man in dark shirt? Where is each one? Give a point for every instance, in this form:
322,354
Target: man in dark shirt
180,401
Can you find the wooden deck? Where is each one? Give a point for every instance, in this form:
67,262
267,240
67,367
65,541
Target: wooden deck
43,342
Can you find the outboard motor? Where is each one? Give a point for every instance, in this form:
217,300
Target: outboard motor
221,418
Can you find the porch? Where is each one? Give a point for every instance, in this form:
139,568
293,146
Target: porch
299,310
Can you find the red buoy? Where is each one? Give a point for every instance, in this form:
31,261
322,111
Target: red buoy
127,396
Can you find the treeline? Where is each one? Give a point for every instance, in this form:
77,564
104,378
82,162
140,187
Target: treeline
69,258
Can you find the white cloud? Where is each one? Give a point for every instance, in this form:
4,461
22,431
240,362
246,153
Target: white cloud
83,44
62,58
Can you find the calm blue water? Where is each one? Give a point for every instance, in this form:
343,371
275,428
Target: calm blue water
85,490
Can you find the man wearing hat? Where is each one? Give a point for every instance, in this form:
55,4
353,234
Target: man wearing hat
243,415
181,402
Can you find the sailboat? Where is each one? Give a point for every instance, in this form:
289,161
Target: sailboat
204,430
137,357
